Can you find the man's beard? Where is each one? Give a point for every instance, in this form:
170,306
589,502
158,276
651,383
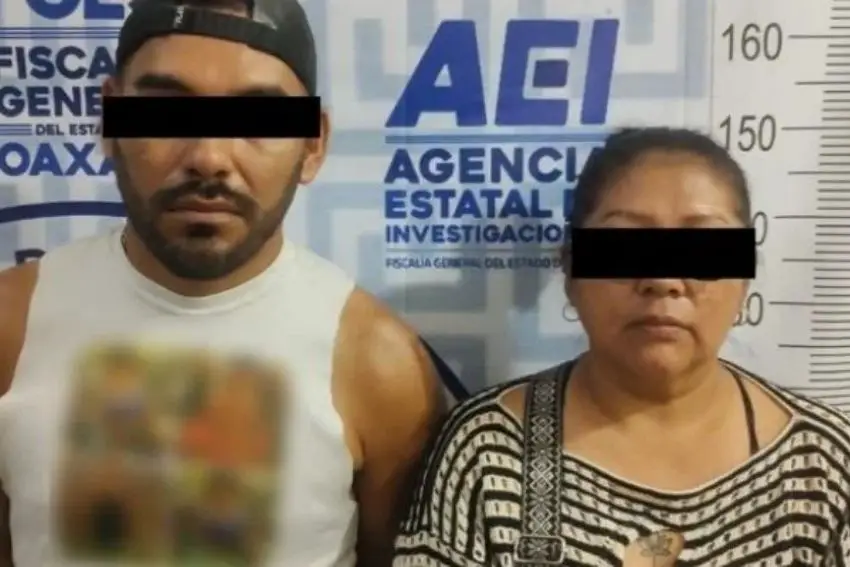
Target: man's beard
191,257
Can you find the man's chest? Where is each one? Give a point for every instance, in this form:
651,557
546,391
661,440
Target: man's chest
141,437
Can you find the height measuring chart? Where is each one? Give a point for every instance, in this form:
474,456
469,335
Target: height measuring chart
781,103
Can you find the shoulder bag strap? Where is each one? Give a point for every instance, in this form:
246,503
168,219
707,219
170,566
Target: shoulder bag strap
540,542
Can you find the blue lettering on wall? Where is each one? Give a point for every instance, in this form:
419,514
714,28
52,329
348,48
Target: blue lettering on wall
92,9
58,160
466,204
454,50
478,165
43,62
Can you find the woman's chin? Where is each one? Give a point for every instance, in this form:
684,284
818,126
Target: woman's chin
661,360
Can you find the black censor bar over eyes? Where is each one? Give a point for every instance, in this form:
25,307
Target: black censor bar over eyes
211,117
680,253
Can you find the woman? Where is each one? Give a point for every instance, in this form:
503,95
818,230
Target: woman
648,448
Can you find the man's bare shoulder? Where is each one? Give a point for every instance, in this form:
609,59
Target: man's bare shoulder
384,371
377,339
16,288
392,404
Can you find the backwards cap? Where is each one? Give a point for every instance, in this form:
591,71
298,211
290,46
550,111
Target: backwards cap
277,27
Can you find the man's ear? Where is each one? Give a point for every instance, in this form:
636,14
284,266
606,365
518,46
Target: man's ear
110,87
316,151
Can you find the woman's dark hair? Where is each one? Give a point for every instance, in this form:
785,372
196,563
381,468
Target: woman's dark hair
623,148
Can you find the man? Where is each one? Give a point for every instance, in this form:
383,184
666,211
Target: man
202,264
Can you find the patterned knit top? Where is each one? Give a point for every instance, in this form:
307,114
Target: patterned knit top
787,505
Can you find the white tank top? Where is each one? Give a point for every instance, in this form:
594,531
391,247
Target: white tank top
88,295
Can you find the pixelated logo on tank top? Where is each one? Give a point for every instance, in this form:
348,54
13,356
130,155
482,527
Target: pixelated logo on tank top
170,458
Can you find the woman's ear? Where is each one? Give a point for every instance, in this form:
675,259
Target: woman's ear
566,258
745,290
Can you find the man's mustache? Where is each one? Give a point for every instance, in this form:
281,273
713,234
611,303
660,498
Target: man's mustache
171,198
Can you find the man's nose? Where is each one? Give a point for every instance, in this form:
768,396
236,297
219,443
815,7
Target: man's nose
209,158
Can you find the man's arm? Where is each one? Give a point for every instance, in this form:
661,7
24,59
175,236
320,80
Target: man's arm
392,401
16,287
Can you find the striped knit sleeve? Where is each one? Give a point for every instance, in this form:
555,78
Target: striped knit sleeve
444,526
841,557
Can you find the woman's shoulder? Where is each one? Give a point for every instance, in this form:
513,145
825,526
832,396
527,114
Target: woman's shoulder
483,428
489,416
491,400
820,415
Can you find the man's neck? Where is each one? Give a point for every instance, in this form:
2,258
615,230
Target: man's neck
627,399
147,265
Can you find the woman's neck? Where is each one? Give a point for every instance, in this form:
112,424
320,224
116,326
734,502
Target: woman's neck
622,396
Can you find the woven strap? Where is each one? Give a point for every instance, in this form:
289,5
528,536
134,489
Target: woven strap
540,542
